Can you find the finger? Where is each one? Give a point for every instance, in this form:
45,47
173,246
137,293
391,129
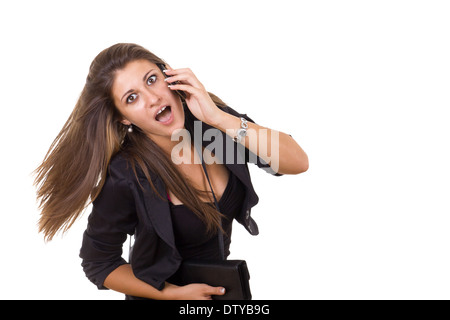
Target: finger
170,71
183,72
184,87
185,79
216,291
221,291
184,75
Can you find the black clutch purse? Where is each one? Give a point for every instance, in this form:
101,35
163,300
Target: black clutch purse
233,275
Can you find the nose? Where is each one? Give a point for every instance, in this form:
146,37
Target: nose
151,97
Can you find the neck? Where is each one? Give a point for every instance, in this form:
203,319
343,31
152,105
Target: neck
176,149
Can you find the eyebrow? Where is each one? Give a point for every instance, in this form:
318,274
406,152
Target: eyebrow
143,79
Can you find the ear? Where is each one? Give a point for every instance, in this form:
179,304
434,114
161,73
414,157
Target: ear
125,122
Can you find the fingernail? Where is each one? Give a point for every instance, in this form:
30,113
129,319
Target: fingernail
165,70
222,290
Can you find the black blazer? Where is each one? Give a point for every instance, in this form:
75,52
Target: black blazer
122,209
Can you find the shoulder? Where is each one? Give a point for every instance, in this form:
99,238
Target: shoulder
116,188
119,162
122,166
119,167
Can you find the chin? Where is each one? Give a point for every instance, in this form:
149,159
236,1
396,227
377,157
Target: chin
177,126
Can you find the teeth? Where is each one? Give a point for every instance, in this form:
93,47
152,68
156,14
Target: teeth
162,109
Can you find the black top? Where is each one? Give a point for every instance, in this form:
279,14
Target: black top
129,204
191,238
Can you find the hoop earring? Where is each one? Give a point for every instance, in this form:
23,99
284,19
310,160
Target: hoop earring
130,128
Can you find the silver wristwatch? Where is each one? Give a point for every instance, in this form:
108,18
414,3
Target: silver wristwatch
242,132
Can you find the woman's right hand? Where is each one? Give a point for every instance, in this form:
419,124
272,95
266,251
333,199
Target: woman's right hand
194,291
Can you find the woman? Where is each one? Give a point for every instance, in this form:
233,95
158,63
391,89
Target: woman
116,151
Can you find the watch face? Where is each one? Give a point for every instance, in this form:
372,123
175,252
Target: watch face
242,132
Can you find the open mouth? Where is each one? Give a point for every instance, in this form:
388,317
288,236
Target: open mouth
164,114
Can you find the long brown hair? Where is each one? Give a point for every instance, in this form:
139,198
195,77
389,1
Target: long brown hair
74,169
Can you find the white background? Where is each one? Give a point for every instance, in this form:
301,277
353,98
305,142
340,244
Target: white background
363,87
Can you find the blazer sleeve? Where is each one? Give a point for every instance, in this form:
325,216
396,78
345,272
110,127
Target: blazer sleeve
259,162
113,217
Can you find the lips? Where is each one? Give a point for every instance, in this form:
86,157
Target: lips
163,114
160,110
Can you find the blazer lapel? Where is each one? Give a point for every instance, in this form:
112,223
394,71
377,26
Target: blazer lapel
159,211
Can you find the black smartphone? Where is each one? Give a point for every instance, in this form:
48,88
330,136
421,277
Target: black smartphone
162,67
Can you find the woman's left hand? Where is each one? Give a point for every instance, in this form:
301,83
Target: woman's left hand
197,98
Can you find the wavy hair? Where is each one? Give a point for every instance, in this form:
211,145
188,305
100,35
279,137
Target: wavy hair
74,169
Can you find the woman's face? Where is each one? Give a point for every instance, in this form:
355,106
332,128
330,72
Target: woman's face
140,93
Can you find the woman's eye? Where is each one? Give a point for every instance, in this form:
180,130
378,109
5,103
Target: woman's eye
131,98
151,80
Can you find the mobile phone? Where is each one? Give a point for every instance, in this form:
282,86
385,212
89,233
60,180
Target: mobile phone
162,67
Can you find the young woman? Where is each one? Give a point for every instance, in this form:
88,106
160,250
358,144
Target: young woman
116,151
